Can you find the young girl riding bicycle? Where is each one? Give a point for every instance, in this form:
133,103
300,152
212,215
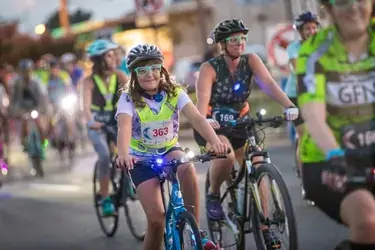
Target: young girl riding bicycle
148,124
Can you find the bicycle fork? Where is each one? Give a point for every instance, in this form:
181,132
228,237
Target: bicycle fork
175,207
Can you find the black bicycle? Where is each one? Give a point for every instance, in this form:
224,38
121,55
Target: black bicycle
123,195
242,201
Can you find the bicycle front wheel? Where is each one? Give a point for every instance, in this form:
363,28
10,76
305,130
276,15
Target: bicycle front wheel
280,217
190,237
107,224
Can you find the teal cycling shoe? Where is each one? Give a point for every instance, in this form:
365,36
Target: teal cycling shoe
108,209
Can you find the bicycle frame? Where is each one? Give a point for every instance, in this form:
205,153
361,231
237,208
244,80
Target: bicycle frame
175,207
247,171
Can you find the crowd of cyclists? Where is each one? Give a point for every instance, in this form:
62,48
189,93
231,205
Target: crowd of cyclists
331,83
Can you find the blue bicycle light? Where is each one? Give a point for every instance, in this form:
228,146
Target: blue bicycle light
236,86
159,161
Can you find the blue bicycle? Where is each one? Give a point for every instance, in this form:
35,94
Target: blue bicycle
179,223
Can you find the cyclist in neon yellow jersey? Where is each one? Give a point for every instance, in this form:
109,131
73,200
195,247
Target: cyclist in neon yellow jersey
307,24
99,106
148,122
336,74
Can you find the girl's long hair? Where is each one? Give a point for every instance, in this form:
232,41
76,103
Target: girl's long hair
98,67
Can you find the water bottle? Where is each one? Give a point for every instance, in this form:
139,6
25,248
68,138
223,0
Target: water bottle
240,196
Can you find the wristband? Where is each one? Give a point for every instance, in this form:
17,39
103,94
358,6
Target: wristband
90,123
291,107
337,152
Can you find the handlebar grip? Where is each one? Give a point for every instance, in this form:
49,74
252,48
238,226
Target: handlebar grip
209,155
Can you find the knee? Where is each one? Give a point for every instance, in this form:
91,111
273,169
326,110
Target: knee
155,220
358,211
104,156
186,169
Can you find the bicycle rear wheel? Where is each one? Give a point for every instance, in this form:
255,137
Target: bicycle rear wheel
137,225
108,225
283,219
35,153
190,237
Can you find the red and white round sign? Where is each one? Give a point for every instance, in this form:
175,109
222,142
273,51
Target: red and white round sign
276,49
149,6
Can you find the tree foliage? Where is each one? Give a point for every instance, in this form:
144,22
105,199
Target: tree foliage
78,16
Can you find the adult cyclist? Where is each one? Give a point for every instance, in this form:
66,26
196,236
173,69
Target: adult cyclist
223,88
99,103
307,24
336,74
69,64
27,94
59,85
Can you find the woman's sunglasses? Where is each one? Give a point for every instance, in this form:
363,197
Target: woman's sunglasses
233,40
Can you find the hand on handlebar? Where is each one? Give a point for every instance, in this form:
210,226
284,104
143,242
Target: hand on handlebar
291,113
219,148
125,162
336,175
96,125
214,124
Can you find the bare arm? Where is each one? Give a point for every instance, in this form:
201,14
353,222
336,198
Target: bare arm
267,83
124,122
203,87
200,123
314,114
87,92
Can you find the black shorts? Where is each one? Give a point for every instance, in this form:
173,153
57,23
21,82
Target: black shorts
299,120
237,138
142,173
325,199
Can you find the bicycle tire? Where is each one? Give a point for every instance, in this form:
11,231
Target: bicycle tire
35,152
38,166
140,236
209,222
271,170
108,232
187,218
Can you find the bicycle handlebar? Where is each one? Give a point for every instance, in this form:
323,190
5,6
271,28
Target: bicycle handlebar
250,122
160,165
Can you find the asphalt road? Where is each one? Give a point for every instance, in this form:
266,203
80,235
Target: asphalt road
57,212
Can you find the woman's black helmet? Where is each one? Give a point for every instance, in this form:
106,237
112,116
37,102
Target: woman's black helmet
226,28
143,52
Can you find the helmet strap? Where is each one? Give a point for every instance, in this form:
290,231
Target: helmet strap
229,55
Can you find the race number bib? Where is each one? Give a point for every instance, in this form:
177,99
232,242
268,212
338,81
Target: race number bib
157,132
359,137
104,117
224,114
